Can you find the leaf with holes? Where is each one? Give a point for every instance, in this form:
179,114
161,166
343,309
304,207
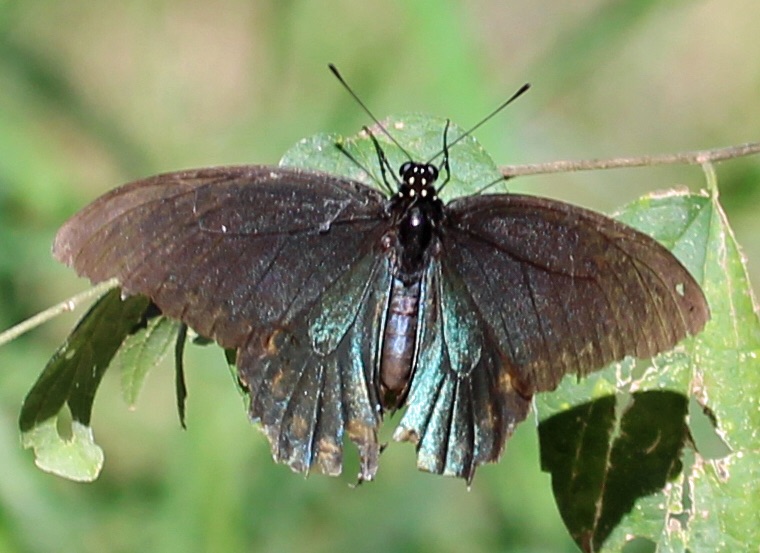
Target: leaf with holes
71,378
711,503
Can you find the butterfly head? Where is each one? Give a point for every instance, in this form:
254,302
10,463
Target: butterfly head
418,180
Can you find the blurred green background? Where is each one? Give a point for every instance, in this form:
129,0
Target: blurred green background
96,94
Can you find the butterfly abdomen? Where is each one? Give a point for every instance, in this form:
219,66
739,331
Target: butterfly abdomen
399,341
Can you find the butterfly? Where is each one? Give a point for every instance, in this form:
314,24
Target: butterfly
345,302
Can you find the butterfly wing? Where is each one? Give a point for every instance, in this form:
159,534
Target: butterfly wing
526,290
461,406
317,379
249,256
228,249
567,290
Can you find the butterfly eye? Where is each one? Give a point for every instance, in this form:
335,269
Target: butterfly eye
404,169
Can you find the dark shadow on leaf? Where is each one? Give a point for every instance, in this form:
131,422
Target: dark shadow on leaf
606,454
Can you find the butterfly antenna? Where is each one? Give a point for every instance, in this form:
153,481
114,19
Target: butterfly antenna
523,89
385,166
366,109
384,183
491,185
445,163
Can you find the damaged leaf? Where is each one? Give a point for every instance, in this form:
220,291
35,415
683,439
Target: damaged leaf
71,379
712,503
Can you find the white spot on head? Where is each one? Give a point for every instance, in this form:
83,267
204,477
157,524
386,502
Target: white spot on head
224,228
411,193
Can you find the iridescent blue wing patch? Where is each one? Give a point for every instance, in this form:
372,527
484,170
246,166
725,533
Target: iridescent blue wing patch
314,380
461,406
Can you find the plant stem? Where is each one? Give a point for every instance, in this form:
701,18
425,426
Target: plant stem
696,157
66,305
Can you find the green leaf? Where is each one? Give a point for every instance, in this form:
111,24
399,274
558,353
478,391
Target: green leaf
714,504
78,458
422,138
725,493
71,379
705,507
142,351
180,388
73,373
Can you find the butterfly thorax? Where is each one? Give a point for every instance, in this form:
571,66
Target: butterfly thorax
417,212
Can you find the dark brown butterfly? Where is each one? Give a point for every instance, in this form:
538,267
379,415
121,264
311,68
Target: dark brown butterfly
344,303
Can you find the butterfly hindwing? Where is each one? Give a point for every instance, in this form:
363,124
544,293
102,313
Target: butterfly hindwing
461,405
316,379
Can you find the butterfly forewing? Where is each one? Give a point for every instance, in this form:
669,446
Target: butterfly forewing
226,250
566,290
